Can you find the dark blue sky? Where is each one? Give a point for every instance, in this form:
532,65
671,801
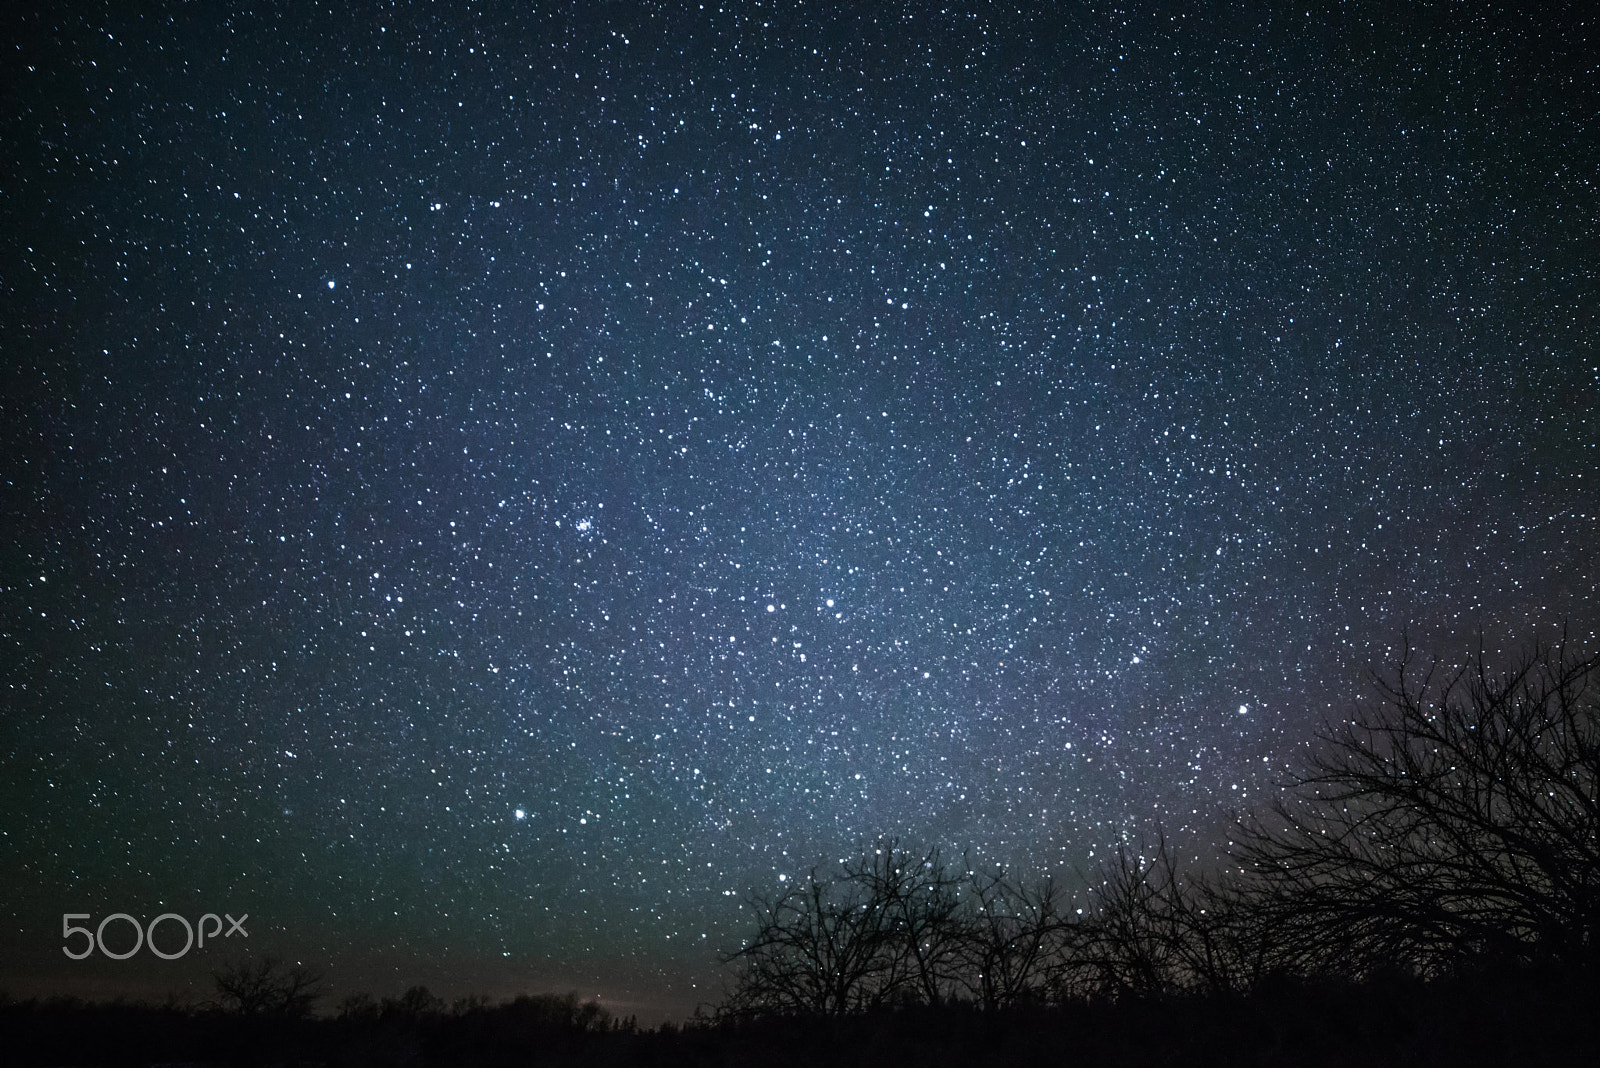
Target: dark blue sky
488,486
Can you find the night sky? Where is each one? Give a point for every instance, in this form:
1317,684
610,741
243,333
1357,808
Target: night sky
487,486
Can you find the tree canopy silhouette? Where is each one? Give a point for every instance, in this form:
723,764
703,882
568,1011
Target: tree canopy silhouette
1456,820
1453,824
897,927
267,987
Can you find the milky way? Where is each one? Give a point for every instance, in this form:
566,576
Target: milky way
489,488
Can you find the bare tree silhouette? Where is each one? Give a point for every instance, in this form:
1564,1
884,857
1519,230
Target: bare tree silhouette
1453,825
883,931
922,939
267,987
1140,923
818,950
1157,930
897,927
1458,820
1016,941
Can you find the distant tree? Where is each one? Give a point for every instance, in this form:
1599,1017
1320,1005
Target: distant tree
267,987
1456,821
471,1003
1155,930
557,1012
418,1002
879,933
358,1006
897,927
922,937
1016,940
817,951
1135,924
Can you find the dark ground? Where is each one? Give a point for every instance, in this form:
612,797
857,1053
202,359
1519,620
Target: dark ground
1516,1017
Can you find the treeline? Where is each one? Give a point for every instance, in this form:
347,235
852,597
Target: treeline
1425,892
1450,832
264,1015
